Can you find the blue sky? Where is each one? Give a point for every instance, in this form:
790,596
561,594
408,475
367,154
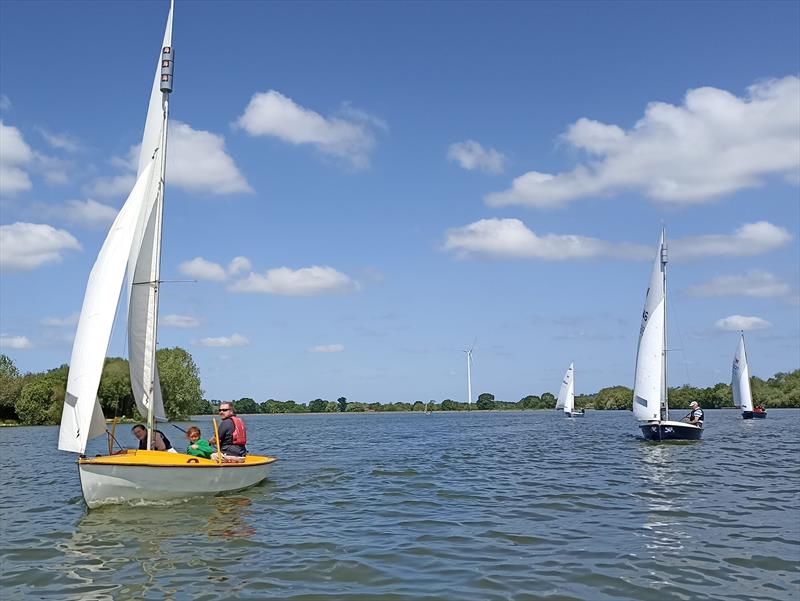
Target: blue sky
363,189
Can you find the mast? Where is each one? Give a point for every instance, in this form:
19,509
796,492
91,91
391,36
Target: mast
664,387
167,66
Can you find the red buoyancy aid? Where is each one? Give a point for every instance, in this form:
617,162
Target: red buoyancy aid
239,436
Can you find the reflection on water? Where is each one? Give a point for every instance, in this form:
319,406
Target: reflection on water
474,507
665,526
142,538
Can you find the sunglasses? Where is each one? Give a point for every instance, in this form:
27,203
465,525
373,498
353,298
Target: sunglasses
224,410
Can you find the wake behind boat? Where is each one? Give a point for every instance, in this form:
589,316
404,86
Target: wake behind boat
133,248
650,403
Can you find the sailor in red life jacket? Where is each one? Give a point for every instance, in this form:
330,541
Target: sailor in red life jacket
232,434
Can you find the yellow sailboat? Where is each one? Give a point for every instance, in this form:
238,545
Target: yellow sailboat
131,255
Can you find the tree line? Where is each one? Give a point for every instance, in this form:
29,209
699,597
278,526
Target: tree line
37,398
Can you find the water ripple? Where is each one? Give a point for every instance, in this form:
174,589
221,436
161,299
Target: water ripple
482,506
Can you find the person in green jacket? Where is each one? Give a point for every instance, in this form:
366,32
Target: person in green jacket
198,447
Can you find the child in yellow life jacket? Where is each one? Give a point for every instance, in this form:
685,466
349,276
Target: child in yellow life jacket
198,447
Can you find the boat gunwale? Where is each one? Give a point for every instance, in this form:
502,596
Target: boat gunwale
191,462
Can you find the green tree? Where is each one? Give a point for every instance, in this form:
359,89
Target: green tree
35,403
549,400
614,397
10,387
342,403
449,405
485,401
115,393
317,406
245,405
180,382
529,402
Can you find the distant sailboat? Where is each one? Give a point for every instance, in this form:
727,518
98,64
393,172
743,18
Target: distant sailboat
740,385
133,246
566,396
650,403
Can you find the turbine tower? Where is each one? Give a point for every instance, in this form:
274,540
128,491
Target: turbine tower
469,375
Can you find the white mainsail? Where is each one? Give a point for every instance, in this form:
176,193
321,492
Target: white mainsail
648,390
82,417
566,396
144,260
740,379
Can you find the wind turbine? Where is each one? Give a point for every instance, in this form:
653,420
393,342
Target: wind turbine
469,374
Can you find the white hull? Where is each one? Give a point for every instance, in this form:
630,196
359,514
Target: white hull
574,413
110,483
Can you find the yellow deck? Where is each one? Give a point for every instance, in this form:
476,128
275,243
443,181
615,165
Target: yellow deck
165,459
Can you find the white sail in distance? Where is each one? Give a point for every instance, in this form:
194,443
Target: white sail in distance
740,379
566,396
650,366
144,260
82,417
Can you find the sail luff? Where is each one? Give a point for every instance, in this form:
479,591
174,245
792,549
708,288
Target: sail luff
740,379
650,377
82,417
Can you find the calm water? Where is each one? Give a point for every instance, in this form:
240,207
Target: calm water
479,506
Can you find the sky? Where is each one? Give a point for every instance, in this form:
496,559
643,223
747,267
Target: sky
357,192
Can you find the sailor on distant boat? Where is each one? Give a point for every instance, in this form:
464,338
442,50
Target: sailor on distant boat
696,415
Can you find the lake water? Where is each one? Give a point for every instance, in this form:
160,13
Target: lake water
450,506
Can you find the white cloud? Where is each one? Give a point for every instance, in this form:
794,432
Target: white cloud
348,137
327,348
735,323
755,283
713,144
84,213
178,321
223,341
196,161
26,246
62,141
203,270
15,342
61,322
15,154
239,264
471,155
510,238
748,240
307,281
5,102
115,186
